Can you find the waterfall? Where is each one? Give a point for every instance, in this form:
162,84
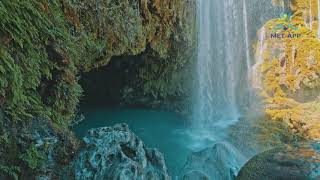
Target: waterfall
245,24
256,76
223,50
224,68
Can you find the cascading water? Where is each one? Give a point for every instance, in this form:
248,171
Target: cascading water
218,62
223,64
224,67
245,24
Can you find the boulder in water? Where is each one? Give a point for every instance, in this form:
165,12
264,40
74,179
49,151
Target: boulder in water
117,153
294,163
195,175
221,161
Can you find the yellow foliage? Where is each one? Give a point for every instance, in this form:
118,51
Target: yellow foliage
290,65
308,8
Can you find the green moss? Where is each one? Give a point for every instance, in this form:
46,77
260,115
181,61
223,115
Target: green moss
10,171
33,157
32,84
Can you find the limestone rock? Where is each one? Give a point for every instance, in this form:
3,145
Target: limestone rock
117,153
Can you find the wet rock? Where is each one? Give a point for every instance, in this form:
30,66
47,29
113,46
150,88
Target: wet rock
117,153
219,162
294,163
195,175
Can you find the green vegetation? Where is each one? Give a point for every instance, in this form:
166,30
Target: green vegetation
40,53
291,75
42,49
6,150
10,170
33,157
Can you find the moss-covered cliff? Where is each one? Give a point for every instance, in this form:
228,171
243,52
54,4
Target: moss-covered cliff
288,68
161,36
46,45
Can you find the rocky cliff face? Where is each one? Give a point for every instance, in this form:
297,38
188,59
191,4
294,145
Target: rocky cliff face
46,45
163,36
42,61
132,27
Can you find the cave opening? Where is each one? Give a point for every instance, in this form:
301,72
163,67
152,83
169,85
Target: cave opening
102,87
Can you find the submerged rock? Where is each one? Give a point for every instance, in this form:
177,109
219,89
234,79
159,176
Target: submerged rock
218,162
301,162
117,153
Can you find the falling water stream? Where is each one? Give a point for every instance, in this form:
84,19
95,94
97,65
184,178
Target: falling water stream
226,30
219,62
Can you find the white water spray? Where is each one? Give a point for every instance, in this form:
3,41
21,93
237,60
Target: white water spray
224,67
219,61
256,76
245,23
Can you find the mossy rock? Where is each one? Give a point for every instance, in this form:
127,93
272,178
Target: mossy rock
294,163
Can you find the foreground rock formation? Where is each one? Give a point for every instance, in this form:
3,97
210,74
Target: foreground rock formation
300,162
117,153
287,69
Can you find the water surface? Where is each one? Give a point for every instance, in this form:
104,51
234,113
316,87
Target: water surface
165,131
172,134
